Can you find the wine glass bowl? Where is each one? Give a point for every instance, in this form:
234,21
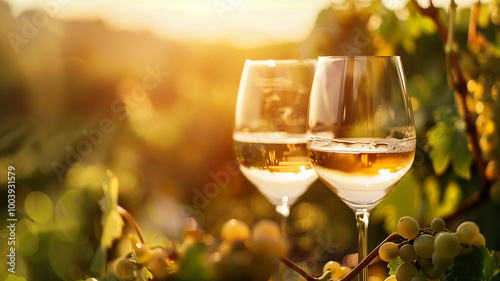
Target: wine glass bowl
270,128
361,132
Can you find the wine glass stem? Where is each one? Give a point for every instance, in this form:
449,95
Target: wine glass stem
281,269
284,211
362,216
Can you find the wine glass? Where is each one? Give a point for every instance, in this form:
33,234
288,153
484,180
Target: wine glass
361,133
270,129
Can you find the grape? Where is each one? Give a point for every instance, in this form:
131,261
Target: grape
235,230
467,232
424,263
424,245
446,245
435,273
495,192
407,253
408,227
344,270
480,241
266,230
267,238
406,272
389,251
441,263
391,278
125,269
492,171
438,224
190,227
333,266
419,278
225,247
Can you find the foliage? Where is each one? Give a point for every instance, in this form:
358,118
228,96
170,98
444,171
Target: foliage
447,138
74,75
480,264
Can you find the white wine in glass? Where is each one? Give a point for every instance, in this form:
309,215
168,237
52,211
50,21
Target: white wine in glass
361,132
270,129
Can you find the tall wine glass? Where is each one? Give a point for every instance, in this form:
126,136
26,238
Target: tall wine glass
270,129
361,133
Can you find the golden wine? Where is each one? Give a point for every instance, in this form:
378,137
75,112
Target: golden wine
278,167
361,172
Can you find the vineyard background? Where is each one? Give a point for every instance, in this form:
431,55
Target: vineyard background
81,97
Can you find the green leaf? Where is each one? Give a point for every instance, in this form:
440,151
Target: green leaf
461,157
491,262
439,139
480,264
112,222
449,144
12,277
393,266
98,263
495,277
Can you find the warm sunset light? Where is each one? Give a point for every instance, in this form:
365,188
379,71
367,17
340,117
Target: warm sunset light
241,22
246,23
254,140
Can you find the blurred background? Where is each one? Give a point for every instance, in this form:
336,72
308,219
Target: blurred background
148,89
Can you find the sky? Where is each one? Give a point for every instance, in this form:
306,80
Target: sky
246,23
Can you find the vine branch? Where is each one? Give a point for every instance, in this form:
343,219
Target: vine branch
131,220
352,273
458,84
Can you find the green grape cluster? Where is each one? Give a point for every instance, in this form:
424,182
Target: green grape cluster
244,254
426,254
337,271
248,254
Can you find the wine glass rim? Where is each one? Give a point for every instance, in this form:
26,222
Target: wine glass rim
357,57
271,62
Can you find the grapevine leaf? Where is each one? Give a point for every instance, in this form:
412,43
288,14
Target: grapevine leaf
495,277
490,262
461,157
12,277
112,222
449,144
393,265
440,140
480,264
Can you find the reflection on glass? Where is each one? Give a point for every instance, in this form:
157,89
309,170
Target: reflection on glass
270,126
361,133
